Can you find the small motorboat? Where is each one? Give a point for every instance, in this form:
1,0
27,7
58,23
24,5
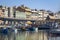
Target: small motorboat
44,27
55,32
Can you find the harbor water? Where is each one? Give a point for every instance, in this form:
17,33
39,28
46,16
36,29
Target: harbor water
27,35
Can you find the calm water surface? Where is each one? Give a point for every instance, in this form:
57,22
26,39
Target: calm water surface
28,35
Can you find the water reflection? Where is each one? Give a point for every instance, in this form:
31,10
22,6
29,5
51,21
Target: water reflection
28,35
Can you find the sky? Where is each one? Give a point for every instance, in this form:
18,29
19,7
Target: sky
53,5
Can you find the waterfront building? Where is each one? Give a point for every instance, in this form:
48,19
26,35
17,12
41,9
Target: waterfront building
20,13
1,13
28,12
57,14
34,15
6,12
23,12
42,14
9,12
39,14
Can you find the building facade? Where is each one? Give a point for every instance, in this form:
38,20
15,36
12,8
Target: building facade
1,13
20,15
23,12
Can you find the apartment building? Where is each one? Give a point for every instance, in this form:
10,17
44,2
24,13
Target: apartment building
1,13
57,14
20,13
24,12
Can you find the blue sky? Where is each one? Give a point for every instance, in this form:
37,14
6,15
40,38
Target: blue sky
53,5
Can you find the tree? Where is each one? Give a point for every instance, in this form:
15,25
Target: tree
51,14
35,9
42,10
1,6
22,5
48,18
58,12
